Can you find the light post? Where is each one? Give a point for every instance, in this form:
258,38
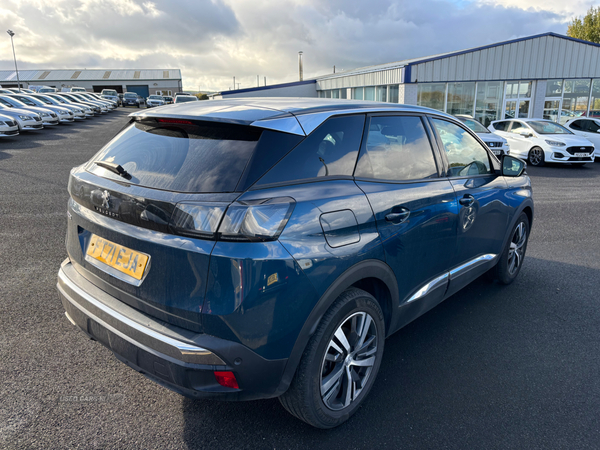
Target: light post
11,34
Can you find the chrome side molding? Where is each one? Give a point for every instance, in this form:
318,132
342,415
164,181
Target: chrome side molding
470,265
443,280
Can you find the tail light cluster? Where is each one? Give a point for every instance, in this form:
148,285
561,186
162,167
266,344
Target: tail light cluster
259,220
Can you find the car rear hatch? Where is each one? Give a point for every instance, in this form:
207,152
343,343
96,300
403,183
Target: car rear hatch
144,212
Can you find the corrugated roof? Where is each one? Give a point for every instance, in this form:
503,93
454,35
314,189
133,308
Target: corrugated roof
90,75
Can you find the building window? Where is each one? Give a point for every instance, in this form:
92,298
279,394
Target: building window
344,93
595,100
488,101
460,98
381,93
431,95
370,93
517,99
576,96
357,93
554,88
393,93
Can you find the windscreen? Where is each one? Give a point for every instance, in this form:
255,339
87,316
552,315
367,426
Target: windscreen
548,128
178,155
474,125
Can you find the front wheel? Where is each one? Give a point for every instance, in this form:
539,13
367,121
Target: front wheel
340,363
536,156
513,255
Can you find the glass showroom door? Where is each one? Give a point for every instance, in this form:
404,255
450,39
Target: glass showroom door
517,99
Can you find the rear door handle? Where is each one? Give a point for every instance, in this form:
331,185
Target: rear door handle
399,216
467,200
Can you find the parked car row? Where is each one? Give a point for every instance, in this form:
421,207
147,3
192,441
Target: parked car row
539,141
25,111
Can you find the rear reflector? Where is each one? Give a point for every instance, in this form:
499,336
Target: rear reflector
227,379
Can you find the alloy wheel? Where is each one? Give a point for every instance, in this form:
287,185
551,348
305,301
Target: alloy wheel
517,248
348,361
536,156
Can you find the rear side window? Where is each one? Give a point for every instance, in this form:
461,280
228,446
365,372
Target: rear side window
502,126
184,157
577,125
330,150
397,149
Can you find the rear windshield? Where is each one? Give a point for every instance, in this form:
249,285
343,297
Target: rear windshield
182,157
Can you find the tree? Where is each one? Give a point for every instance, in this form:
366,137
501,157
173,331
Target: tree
587,27
202,96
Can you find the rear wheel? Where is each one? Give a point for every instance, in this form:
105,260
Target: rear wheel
340,363
536,156
512,257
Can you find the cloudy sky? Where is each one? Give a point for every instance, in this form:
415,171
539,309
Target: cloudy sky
212,41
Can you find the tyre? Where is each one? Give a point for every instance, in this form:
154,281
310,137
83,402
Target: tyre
536,157
512,257
340,362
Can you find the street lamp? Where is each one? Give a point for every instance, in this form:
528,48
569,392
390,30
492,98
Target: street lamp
11,34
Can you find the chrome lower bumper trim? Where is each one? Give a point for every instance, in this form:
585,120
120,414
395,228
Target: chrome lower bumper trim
144,336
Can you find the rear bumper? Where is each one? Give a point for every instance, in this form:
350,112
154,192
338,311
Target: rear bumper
178,359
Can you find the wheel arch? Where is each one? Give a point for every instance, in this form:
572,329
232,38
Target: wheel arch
373,276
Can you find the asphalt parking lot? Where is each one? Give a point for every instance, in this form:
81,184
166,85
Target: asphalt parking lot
491,368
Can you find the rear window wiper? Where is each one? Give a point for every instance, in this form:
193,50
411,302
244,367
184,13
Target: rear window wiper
115,168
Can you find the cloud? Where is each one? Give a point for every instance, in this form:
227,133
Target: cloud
213,41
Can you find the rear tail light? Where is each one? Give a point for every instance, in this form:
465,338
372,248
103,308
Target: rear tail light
227,379
258,220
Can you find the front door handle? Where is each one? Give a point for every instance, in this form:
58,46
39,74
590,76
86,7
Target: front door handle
467,200
399,216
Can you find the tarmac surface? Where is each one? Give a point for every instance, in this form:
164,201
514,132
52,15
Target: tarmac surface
493,367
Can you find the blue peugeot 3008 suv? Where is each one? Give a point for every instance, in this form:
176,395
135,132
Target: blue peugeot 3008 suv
258,248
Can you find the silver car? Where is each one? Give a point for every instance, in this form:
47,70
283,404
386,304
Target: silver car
8,126
98,109
110,103
89,110
155,100
48,117
26,120
64,114
88,98
79,112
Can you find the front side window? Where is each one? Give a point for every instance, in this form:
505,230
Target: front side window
330,150
592,126
466,156
397,149
519,127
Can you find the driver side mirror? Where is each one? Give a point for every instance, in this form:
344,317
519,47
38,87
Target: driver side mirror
512,167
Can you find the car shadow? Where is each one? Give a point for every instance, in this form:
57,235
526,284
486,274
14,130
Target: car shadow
486,366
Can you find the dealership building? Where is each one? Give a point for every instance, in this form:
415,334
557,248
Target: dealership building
546,75
143,81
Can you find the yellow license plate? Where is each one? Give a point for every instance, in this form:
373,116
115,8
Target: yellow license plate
120,258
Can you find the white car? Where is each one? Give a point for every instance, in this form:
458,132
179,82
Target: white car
587,128
495,143
8,126
155,100
541,141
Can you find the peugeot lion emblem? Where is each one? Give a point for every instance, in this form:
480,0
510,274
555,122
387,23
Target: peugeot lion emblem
106,199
